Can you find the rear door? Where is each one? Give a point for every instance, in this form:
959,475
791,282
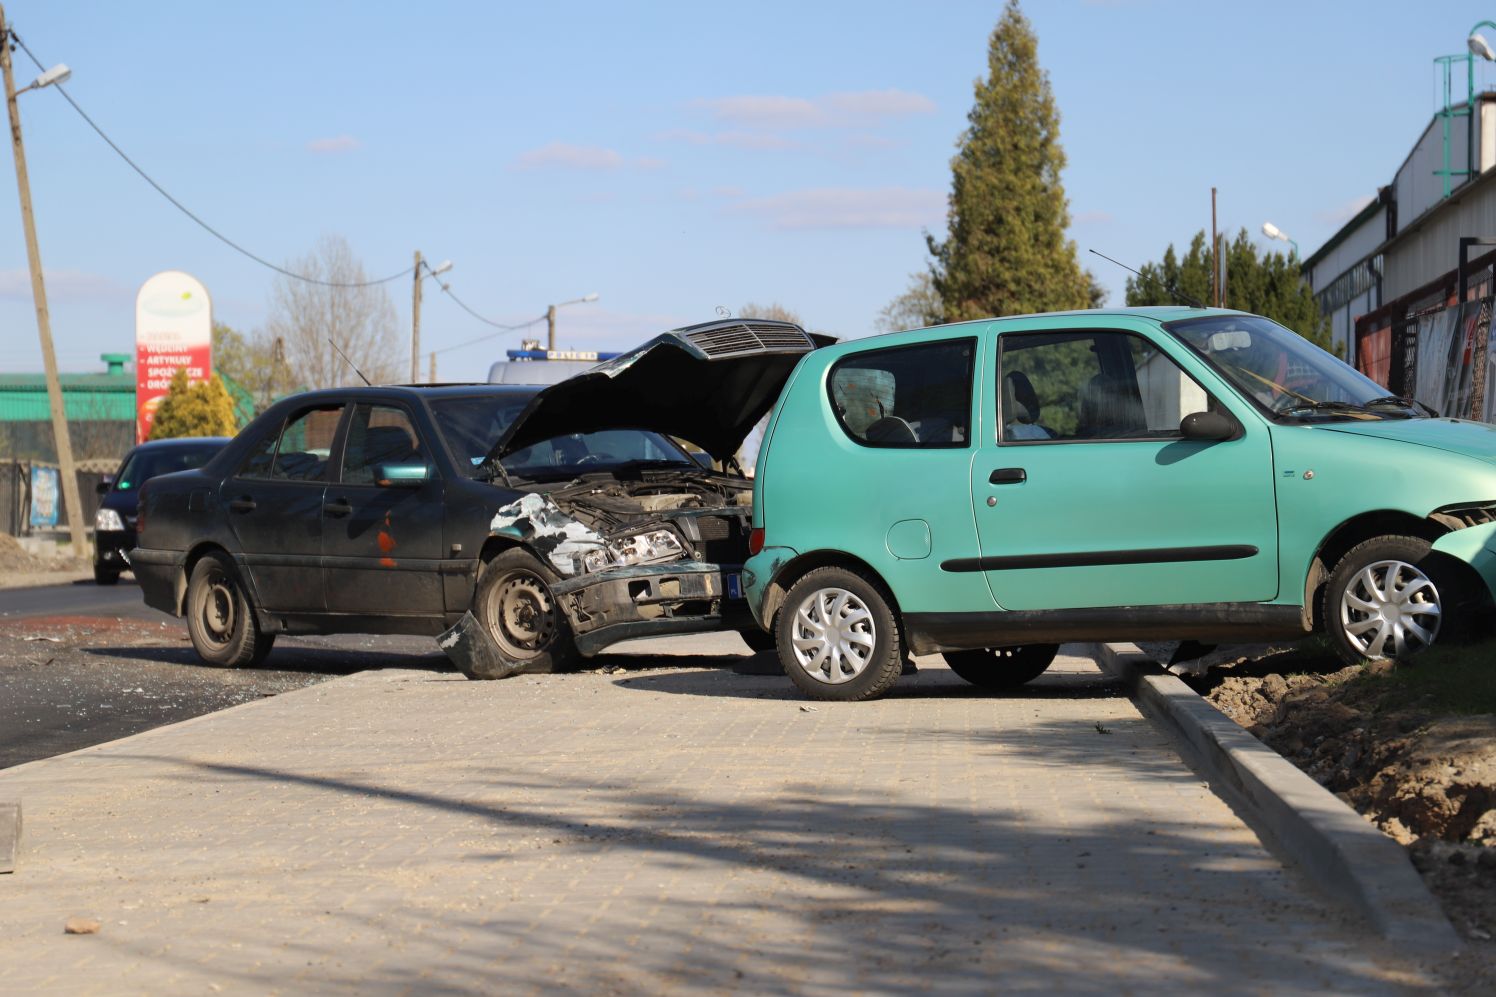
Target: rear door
274,507
382,542
1087,495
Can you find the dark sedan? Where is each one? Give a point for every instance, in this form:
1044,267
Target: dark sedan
114,524
526,528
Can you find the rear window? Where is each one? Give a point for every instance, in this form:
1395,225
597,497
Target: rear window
910,397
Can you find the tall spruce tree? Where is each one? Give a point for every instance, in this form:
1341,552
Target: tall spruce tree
1006,251
1268,284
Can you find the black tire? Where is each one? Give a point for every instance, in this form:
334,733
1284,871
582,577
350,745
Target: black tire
1424,593
841,675
105,576
262,648
514,603
1002,667
758,641
220,617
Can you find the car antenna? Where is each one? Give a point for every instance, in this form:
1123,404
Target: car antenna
350,363
1169,289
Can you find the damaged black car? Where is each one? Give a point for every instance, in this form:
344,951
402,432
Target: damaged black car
526,529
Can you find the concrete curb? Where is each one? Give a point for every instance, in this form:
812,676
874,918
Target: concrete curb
1354,864
10,834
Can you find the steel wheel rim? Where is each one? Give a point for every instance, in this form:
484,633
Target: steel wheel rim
522,615
1390,608
216,610
832,635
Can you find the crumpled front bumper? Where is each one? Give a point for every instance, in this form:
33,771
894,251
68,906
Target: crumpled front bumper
650,601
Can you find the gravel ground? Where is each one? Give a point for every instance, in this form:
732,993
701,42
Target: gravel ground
67,682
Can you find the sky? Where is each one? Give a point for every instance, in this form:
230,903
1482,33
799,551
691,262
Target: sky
673,158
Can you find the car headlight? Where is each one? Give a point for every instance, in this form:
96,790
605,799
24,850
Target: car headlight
108,519
649,547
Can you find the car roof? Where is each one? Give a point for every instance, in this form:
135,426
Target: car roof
1156,313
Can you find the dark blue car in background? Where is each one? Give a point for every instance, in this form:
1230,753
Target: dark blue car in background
114,525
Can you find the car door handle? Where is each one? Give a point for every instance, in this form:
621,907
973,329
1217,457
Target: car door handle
338,507
242,504
1008,476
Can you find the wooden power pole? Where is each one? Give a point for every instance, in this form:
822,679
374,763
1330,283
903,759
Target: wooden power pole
71,504
415,325
1215,267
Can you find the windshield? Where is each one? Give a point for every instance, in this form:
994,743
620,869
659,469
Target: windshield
1285,374
143,465
471,426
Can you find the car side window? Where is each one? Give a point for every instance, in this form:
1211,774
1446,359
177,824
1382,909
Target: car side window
378,434
909,397
299,451
1074,386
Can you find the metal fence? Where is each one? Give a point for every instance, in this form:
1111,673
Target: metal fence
16,497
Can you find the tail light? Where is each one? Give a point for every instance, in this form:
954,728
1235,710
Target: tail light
755,541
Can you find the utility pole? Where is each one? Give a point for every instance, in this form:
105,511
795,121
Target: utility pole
67,472
1215,266
431,376
415,325
550,327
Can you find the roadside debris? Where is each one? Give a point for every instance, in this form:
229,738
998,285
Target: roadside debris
81,926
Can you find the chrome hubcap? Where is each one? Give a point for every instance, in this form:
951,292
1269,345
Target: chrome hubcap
1390,609
833,635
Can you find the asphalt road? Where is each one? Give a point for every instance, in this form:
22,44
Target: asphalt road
82,664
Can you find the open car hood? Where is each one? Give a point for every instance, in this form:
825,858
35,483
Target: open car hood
708,384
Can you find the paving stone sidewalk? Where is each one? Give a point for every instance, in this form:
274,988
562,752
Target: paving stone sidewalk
676,826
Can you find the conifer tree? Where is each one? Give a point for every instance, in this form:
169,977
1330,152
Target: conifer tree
1269,284
1006,252
194,409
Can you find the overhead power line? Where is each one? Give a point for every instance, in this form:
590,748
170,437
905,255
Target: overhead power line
185,210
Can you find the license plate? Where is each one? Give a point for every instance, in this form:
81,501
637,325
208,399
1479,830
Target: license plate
734,586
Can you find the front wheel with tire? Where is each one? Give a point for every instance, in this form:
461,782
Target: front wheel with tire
1388,598
515,605
1002,667
220,617
837,636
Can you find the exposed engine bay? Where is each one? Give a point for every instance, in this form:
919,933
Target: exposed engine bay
601,521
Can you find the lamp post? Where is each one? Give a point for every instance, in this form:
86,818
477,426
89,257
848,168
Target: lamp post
415,312
1274,232
66,471
550,317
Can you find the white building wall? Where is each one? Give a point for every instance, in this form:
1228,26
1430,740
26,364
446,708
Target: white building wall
1432,248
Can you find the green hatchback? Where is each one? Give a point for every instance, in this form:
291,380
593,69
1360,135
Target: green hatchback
991,489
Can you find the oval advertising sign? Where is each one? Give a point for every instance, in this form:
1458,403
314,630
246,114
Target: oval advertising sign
173,328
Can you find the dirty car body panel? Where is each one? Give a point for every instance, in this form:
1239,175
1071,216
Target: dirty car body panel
375,510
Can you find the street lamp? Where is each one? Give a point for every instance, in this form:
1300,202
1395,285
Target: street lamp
60,436
1274,232
1477,43
550,317
415,312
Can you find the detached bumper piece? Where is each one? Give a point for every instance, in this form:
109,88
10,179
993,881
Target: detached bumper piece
469,647
648,601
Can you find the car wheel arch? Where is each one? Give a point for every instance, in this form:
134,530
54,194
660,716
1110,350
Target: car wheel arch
802,564
195,554
1347,535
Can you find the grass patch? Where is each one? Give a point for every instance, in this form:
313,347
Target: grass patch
1458,679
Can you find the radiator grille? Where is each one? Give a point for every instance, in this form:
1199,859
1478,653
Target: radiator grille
749,337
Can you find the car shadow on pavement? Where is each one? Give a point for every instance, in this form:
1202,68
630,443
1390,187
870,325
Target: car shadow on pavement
861,890
708,679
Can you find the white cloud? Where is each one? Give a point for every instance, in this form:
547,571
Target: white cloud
836,110
63,285
565,156
334,145
848,208
1344,213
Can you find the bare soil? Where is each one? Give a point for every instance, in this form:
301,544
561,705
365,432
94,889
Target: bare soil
1412,748
19,567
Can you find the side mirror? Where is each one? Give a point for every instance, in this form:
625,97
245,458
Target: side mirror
1207,426
104,484
401,475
